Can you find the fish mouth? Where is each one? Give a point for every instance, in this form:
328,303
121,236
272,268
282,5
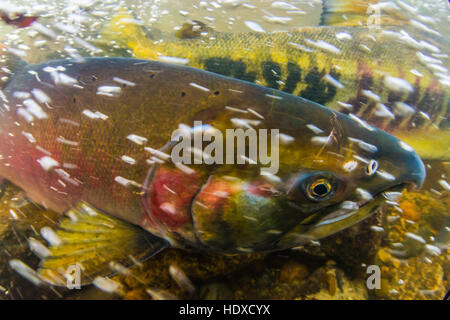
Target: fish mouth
323,224
363,208
391,194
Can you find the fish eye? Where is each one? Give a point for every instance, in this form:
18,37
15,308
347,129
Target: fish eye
372,168
315,187
319,189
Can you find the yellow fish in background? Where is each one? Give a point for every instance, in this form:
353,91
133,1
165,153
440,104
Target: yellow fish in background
378,62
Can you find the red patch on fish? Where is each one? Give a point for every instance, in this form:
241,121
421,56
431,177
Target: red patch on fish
21,21
171,195
214,194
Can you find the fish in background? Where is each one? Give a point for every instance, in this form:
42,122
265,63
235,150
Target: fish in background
390,70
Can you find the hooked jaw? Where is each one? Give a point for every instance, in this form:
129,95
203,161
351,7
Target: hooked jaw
417,173
389,168
348,213
400,166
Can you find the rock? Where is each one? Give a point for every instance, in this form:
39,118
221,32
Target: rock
353,246
331,283
16,226
216,291
384,256
415,278
293,271
137,294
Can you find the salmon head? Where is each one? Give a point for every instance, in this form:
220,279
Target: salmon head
200,159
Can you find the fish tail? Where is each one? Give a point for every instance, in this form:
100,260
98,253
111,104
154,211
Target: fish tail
10,64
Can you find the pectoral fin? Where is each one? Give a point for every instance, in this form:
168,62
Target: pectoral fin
88,241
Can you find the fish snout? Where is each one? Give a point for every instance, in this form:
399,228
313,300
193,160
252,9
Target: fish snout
413,171
400,165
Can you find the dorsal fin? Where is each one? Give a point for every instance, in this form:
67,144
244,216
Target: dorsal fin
361,13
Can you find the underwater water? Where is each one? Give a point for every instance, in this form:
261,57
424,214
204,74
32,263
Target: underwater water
400,250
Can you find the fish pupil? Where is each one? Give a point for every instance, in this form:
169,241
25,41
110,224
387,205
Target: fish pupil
320,190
